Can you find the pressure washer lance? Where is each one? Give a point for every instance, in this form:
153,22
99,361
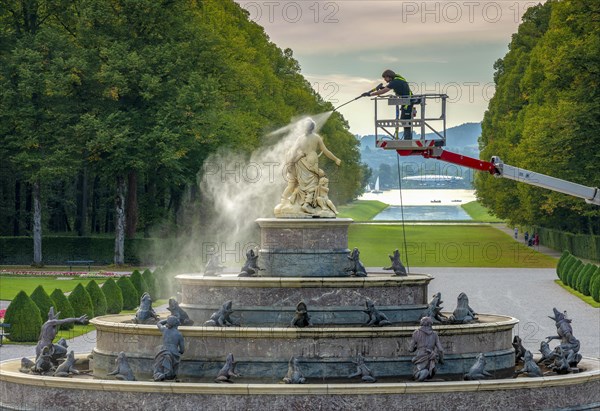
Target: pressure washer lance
379,87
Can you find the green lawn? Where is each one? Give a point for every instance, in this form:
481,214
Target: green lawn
361,210
586,298
11,285
480,213
444,246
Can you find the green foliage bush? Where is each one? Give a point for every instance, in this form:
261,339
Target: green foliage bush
148,277
98,298
561,263
139,283
62,305
584,278
130,294
24,318
571,260
578,275
43,301
595,286
573,272
81,302
114,297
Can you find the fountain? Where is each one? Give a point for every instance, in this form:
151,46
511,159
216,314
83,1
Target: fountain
296,332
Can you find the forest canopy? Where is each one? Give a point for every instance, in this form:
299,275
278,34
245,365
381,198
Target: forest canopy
544,116
108,109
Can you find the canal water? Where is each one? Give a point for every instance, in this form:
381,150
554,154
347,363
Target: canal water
423,213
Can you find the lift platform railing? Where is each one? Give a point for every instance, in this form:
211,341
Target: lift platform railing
387,129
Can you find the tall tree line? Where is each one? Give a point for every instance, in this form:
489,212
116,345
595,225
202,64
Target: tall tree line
544,116
109,107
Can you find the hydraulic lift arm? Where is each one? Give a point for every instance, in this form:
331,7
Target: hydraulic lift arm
497,168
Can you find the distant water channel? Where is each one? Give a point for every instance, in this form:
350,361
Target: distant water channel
424,213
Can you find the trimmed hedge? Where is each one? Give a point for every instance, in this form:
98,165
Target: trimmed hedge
24,318
130,294
63,306
561,262
583,281
576,274
58,249
580,245
571,260
595,286
41,298
572,271
97,297
139,284
148,277
81,302
114,297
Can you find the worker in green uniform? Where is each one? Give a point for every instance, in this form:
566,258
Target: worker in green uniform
401,88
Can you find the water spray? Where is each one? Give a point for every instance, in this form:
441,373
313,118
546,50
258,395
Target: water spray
379,87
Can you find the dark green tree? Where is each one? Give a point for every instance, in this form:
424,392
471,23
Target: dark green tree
24,318
148,277
98,298
63,306
139,283
129,293
114,297
81,302
43,301
542,114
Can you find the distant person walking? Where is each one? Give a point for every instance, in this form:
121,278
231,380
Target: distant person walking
526,237
536,239
401,88
516,233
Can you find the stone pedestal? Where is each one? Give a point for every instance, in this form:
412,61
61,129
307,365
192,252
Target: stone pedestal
293,247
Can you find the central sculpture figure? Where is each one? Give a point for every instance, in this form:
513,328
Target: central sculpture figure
306,194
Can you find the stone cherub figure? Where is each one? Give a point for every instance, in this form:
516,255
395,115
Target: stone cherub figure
428,351
376,318
250,268
357,268
294,374
362,370
322,195
434,309
221,318
301,317
123,371
463,313
568,343
177,311
166,361
50,329
397,265
213,265
145,314
300,197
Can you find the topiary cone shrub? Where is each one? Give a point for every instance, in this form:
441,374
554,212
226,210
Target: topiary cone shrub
570,261
98,298
595,286
583,282
572,273
561,263
138,282
114,297
81,302
24,318
43,301
130,295
62,305
148,277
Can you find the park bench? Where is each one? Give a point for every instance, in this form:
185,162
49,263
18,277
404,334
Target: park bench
71,263
3,333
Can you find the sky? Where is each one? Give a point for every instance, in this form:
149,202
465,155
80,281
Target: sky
438,46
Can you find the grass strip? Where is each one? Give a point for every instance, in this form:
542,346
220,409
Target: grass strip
361,210
585,298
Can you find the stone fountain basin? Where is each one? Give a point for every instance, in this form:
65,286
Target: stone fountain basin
272,300
575,391
324,352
